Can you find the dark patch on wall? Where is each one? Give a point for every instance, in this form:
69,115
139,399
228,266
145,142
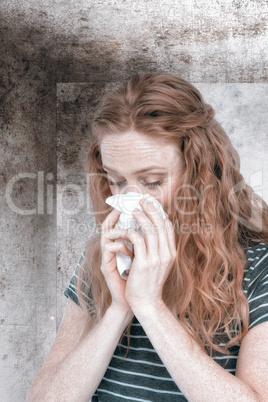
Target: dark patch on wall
32,65
34,61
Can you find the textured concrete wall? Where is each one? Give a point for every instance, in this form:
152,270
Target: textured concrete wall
56,58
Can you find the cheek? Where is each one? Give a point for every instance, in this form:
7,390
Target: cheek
113,190
116,190
164,195
167,197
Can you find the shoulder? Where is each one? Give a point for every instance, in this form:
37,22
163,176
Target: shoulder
255,283
71,290
256,264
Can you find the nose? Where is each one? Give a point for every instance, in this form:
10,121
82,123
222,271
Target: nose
133,187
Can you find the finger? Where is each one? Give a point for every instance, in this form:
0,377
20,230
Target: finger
152,212
165,231
154,216
130,235
115,233
149,230
112,248
170,230
139,245
110,220
168,245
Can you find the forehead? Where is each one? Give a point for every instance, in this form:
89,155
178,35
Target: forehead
138,148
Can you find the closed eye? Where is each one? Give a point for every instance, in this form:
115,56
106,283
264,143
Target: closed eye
116,183
145,184
153,184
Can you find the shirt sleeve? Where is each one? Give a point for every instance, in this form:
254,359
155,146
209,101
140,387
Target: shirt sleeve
70,291
258,292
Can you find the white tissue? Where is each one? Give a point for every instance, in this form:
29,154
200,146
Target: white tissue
126,203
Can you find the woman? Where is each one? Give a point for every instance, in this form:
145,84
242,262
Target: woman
190,322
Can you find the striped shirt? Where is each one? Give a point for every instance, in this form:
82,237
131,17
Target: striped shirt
141,375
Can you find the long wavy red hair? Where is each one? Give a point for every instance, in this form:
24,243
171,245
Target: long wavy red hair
204,289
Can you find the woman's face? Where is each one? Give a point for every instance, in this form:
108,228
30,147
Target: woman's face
136,162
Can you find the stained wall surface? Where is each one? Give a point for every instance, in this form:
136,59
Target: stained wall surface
56,59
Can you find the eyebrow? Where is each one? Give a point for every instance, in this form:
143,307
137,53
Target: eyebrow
154,167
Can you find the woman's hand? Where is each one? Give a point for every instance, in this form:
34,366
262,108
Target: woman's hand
154,256
109,247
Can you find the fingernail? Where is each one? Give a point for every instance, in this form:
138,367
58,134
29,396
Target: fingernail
136,210
148,204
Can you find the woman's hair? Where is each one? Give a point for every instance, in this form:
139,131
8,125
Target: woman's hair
217,214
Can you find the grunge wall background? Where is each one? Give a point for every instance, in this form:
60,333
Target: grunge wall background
56,59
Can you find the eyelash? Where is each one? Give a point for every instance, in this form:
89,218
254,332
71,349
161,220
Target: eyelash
154,184
151,185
